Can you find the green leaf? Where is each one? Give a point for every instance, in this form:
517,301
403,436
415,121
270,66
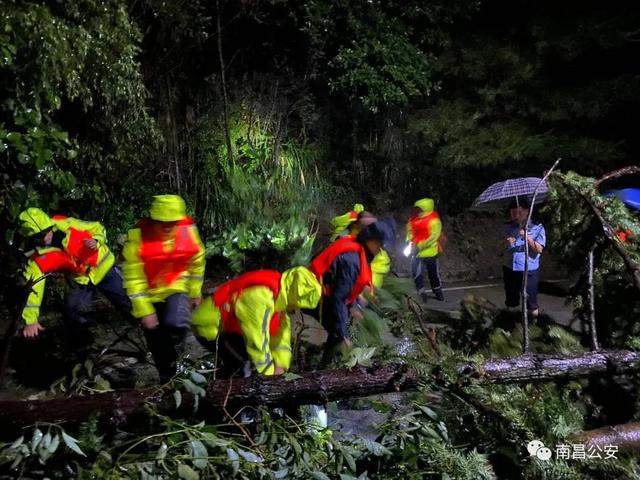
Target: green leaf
214,441
36,439
177,396
360,356
88,365
55,442
250,456
187,473
289,376
281,473
199,454
427,411
19,441
318,475
60,135
193,388
14,137
72,443
197,377
235,460
376,448
350,460
380,407
162,452
295,444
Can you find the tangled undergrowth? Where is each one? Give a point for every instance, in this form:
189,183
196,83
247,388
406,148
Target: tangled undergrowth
452,427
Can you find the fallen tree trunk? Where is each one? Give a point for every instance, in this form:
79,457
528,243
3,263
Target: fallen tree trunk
625,437
311,387
532,368
307,388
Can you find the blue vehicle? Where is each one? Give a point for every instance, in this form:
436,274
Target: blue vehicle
629,196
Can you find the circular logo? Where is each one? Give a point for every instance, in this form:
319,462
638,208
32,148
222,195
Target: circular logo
533,446
544,453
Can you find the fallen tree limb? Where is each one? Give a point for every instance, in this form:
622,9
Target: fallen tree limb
625,437
630,170
532,368
609,233
309,388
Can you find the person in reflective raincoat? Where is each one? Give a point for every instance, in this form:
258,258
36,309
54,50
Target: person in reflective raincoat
351,223
424,231
77,249
248,316
345,224
163,274
344,270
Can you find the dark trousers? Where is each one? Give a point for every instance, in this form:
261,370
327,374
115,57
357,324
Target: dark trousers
513,287
232,357
174,318
429,265
79,303
335,323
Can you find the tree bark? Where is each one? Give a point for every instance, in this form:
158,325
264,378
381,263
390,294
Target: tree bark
626,437
630,170
223,83
532,368
310,388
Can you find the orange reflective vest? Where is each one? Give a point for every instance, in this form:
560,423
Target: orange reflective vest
58,261
162,267
75,257
322,263
421,227
225,295
76,247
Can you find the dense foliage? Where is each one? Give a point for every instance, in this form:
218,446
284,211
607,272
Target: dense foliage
425,434
269,115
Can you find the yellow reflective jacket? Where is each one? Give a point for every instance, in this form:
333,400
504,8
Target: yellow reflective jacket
254,308
380,267
341,223
425,229
142,295
94,275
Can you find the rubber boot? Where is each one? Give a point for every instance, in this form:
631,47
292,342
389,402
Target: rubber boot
163,351
423,295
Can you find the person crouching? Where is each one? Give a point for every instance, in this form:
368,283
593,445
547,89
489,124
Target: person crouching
247,319
344,270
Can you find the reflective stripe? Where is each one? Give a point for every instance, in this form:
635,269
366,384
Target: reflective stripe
283,347
195,277
260,367
104,259
265,335
137,295
32,306
267,361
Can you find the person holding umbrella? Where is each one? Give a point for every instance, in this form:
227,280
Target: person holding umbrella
513,273
521,235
